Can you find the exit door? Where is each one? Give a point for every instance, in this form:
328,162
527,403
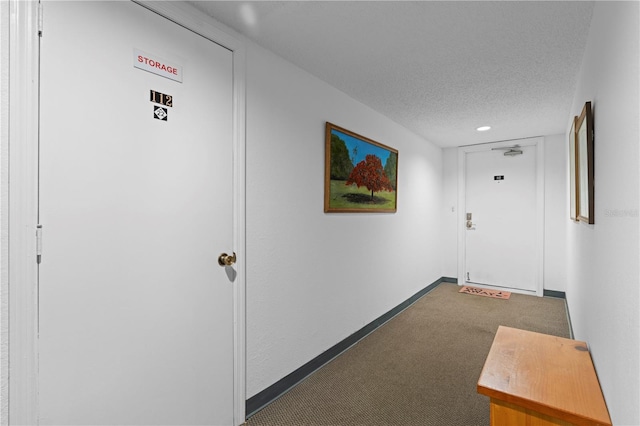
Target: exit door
136,204
502,216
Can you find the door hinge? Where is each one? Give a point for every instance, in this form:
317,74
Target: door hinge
40,24
39,244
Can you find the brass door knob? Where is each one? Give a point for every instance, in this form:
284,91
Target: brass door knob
226,260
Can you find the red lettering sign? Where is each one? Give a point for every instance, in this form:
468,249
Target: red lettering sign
156,66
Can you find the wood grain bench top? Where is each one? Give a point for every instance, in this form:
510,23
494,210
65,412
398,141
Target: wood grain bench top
548,374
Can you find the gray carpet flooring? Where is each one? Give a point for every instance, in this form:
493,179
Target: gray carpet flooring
420,368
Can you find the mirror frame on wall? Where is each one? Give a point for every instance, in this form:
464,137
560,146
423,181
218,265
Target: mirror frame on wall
585,165
573,175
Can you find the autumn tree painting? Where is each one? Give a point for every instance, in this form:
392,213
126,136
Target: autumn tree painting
370,185
370,174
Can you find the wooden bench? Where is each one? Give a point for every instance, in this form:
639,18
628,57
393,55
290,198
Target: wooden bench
535,379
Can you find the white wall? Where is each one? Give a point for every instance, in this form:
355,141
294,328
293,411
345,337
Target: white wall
4,196
555,212
315,278
603,272
449,226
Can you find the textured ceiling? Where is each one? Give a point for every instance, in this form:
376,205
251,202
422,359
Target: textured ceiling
441,69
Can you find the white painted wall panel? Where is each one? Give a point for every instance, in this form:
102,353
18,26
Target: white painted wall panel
604,271
556,212
449,225
4,223
315,278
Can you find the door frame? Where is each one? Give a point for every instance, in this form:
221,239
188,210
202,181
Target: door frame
538,142
19,199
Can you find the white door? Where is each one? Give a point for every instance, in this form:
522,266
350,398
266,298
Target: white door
135,314
501,233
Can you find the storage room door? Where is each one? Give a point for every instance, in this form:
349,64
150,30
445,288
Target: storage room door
136,191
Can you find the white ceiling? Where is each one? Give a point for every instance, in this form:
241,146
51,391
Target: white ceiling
441,69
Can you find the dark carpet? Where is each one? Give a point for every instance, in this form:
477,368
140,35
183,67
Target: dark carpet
420,368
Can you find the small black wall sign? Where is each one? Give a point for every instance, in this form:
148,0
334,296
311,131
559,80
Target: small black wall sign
161,98
160,113
498,178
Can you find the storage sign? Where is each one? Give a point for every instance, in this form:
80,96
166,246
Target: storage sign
156,65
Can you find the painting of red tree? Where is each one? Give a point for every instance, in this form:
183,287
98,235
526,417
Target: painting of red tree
370,174
360,174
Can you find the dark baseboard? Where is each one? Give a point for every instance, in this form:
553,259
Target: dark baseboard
554,293
566,305
561,295
273,392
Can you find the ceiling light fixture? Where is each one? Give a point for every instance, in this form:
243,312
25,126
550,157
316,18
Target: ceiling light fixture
248,15
483,128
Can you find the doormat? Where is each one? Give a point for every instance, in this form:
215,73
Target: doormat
497,294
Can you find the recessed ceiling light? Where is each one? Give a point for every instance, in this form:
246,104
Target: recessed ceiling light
483,128
248,15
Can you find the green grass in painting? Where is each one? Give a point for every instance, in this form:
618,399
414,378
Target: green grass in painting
352,197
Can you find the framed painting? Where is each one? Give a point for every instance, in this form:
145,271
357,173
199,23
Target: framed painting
360,174
573,168
584,147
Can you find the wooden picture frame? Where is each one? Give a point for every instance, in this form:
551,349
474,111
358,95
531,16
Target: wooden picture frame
573,168
585,165
361,175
